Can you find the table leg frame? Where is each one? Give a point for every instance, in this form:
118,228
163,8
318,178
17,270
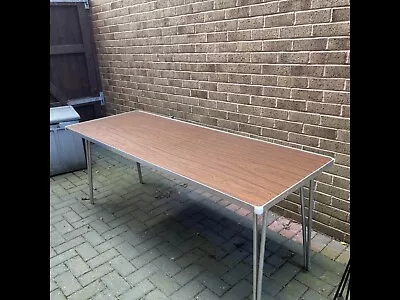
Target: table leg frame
139,169
89,169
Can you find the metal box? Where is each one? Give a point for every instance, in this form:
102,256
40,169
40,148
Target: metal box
67,153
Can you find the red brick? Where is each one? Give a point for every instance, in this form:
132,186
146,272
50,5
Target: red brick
296,31
251,46
249,110
331,57
288,126
263,101
310,95
242,35
337,71
335,122
319,131
327,84
264,9
276,45
243,99
243,118
339,43
303,139
324,108
266,80
274,113
239,12
274,133
304,117
250,23
271,91
264,33
310,44
279,20
341,14
329,3
296,105
260,121
314,16
293,58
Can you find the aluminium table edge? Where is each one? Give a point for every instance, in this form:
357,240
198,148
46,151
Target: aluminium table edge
240,202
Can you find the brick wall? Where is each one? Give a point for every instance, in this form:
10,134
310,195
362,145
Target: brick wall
274,70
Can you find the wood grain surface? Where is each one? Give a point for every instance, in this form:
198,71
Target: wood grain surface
251,171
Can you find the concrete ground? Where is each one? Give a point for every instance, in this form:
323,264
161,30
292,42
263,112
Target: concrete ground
166,239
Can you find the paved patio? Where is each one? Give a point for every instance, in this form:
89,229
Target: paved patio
167,239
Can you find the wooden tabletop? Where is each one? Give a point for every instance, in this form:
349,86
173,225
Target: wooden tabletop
248,170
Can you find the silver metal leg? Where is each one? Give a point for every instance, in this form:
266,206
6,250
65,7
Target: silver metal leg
89,170
310,209
303,226
255,250
262,251
139,169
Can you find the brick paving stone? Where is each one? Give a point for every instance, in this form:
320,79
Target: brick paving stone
189,258
188,291
93,238
234,257
127,250
156,295
312,295
85,221
109,244
56,238
206,294
333,249
86,251
122,265
213,266
71,217
57,295
344,257
138,291
188,274
214,283
141,274
77,266
165,283
285,273
240,291
105,295
319,242
327,263
88,291
95,274
61,268
69,244
76,232
316,284
67,283
145,258
295,288
270,286
167,266
60,258
53,285
115,283
102,258
237,273
283,295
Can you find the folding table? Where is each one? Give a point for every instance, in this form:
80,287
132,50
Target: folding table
251,173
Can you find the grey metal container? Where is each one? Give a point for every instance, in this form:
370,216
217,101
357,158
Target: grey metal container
67,153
